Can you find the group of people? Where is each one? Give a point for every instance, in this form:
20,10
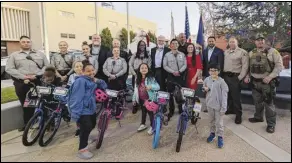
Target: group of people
157,69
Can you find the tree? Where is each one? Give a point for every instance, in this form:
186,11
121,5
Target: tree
124,38
106,38
152,37
245,19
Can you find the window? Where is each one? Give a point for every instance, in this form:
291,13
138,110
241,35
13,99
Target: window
64,35
71,35
91,18
113,23
90,37
3,49
67,14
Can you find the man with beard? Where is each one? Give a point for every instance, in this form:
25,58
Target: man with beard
100,52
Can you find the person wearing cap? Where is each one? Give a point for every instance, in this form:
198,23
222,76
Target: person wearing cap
265,64
25,64
115,68
235,69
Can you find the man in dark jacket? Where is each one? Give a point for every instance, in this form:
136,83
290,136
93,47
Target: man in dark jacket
101,54
123,54
182,43
212,55
157,55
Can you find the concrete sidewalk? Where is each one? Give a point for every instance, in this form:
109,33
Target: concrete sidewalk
243,143
6,83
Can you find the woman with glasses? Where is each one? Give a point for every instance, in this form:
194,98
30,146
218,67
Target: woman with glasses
115,68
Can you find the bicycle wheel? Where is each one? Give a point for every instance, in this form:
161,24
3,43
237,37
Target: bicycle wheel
50,129
36,124
157,132
102,128
180,134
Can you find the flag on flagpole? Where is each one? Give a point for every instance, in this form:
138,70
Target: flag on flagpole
172,36
200,37
187,26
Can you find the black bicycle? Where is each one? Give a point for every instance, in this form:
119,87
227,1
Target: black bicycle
61,111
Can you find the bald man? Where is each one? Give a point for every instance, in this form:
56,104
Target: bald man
117,44
236,62
157,55
182,43
101,55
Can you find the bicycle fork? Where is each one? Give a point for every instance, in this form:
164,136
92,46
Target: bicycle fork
185,121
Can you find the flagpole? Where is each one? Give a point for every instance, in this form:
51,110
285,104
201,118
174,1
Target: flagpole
45,32
128,27
96,17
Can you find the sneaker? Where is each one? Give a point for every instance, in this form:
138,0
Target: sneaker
77,132
211,138
84,154
135,109
255,120
270,129
220,142
142,127
150,132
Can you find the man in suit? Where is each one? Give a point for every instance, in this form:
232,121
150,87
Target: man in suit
212,55
123,54
157,55
100,52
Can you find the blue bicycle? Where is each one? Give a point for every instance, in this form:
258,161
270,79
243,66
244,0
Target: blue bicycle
162,98
191,110
36,98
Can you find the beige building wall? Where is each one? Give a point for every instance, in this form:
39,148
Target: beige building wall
76,19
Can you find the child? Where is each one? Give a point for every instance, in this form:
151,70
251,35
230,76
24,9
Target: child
216,101
145,88
78,72
82,104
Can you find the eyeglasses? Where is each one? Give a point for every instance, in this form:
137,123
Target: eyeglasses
213,70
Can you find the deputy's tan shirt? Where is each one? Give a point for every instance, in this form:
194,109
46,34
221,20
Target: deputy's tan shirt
236,61
59,62
274,57
18,66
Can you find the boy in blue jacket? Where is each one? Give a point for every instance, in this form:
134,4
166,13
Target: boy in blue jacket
82,104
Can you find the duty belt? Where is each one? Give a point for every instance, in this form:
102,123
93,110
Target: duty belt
231,74
257,80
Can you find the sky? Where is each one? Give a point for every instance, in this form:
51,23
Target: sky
160,13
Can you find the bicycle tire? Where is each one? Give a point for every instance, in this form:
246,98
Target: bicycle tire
180,134
43,143
102,130
157,132
25,142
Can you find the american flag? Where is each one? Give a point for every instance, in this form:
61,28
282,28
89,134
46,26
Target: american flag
187,26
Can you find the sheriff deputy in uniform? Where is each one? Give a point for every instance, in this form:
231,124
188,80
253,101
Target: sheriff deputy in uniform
22,65
115,68
235,69
265,65
63,61
175,63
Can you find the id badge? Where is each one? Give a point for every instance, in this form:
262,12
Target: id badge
197,107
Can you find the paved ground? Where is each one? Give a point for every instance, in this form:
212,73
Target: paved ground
245,142
6,83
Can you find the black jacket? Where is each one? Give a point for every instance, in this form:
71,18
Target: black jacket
183,48
217,57
153,52
101,60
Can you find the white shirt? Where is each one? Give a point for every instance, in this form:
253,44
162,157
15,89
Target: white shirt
210,51
158,57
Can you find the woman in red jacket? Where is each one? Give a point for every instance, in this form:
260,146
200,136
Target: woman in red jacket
194,64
